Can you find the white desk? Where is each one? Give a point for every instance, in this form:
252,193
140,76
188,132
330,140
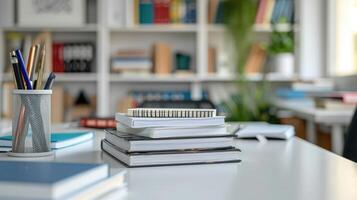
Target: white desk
276,170
337,119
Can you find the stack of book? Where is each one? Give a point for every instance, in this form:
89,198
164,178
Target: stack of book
131,61
154,137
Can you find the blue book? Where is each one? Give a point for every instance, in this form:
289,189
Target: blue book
47,180
58,140
146,12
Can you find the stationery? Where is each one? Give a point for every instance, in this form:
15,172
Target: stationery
171,113
58,140
144,122
47,180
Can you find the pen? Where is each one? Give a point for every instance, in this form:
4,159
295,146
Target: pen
41,69
49,82
16,70
36,61
23,69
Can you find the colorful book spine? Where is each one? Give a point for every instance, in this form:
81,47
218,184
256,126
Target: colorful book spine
262,8
146,12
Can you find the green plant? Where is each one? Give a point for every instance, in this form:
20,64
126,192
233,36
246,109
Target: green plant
251,102
281,42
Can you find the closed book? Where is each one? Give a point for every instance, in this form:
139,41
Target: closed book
58,140
140,122
136,143
262,9
104,189
47,180
269,12
219,17
146,12
256,59
164,132
160,158
162,58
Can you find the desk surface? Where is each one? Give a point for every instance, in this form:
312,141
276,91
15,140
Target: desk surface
274,170
306,109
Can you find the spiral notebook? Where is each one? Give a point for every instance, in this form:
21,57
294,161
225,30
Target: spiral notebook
171,113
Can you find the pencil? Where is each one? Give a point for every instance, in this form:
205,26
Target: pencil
41,68
30,61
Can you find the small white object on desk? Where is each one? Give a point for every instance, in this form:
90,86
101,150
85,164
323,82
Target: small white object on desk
258,131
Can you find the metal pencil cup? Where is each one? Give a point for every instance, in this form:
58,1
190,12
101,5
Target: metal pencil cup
31,123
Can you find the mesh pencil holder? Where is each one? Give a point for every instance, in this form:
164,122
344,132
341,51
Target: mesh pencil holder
31,123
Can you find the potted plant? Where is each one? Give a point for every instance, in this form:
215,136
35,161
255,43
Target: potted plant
281,49
251,101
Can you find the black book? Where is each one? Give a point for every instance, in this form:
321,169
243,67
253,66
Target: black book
136,143
179,157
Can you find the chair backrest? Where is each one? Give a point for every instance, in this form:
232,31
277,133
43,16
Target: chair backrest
350,149
178,104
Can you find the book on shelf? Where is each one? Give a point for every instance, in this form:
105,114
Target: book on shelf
152,12
181,157
139,122
48,180
162,58
215,11
72,57
256,59
131,61
146,12
135,143
58,140
275,12
211,60
164,132
97,122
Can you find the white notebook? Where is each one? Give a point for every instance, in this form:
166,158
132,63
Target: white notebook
169,132
144,122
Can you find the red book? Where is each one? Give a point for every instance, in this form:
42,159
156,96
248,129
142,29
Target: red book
261,12
165,11
100,123
54,57
60,57
157,11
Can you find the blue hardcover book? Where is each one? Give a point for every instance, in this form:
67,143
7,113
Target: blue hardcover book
146,12
58,140
47,180
276,11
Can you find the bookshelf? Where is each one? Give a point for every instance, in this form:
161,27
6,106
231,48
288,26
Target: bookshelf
191,38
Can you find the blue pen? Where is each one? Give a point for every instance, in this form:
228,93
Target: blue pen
23,69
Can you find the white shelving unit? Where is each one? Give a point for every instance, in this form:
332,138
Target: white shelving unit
193,38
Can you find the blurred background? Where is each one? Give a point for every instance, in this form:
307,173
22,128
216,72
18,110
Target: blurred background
278,61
